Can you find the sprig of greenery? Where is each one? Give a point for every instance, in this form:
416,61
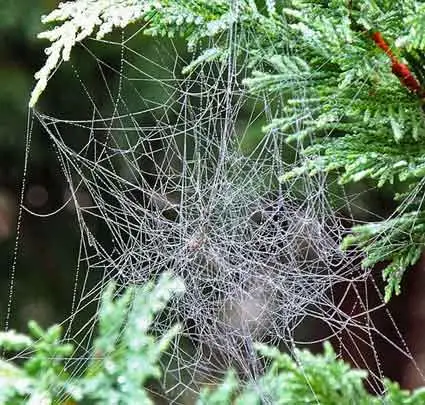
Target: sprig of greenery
360,119
195,21
306,379
125,356
41,378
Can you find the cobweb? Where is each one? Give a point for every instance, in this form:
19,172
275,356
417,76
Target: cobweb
185,181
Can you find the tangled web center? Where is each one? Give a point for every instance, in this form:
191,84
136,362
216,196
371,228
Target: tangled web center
177,189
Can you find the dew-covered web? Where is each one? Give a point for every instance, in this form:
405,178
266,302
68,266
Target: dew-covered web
181,179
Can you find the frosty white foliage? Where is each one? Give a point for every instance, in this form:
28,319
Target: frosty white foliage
81,19
17,339
271,6
207,56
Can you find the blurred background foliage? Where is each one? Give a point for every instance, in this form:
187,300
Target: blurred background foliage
48,244
45,263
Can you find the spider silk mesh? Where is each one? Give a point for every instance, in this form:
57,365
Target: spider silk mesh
181,178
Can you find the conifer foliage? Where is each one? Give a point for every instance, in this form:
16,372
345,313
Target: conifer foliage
353,82
125,357
363,109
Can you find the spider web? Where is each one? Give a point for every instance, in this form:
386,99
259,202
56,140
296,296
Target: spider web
185,181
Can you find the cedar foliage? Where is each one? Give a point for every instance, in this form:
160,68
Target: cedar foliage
125,357
360,106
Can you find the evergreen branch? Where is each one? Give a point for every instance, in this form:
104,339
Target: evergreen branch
307,379
124,354
398,241
382,161
192,20
362,114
